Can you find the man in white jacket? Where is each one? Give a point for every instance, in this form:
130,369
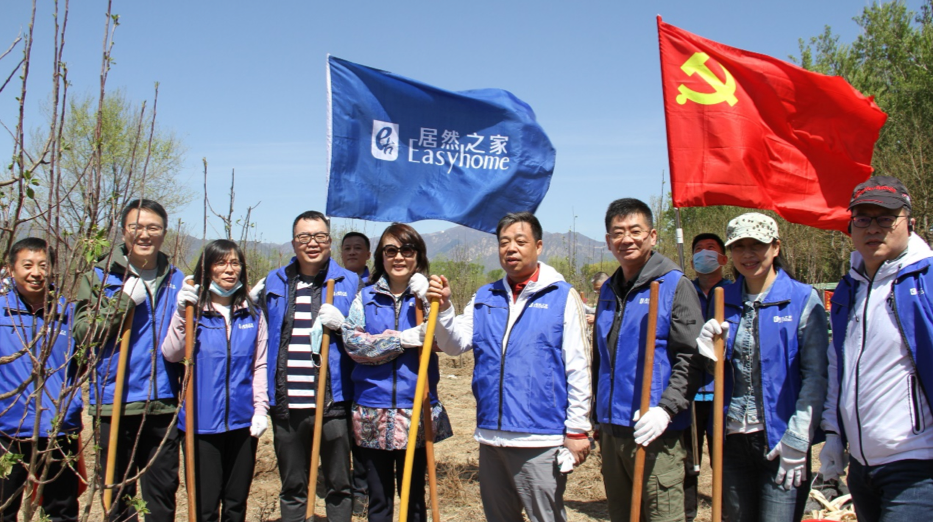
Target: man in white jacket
881,361
531,377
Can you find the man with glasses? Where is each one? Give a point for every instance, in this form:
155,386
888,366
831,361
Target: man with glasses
135,276
881,361
618,359
291,297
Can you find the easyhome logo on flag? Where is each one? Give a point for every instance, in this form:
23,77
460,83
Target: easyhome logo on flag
385,140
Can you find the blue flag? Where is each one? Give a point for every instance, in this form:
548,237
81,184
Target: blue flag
400,150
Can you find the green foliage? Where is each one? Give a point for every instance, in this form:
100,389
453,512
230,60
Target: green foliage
7,461
495,275
137,503
465,277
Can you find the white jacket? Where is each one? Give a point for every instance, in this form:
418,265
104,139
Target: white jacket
880,400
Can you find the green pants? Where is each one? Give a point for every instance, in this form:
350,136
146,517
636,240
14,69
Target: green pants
663,488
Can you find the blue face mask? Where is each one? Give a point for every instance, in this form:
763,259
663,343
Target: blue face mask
218,291
706,261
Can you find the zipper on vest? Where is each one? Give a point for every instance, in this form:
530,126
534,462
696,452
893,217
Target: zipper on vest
229,355
761,414
917,389
858,363
620,310
398,309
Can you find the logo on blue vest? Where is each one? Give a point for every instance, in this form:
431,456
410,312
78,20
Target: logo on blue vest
244,326
538,305
914,291
644,300
340,293
385,140
784,319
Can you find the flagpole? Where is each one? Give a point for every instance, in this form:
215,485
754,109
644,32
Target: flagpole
694,439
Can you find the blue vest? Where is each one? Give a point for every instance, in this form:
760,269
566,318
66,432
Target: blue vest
620,372
149,375
523,387
223,373
339,366
392,384
706,304
912,307
776,335
18,327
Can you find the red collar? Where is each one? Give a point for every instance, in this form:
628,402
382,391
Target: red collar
518,287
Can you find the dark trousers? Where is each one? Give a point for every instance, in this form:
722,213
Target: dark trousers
358,483
384,470
691,477
160,481
748,488
898,491
292,440
223,468
59,497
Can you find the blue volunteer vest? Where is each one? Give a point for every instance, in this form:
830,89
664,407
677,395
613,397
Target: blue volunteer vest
523,387
223,376
620,375
392,384
776,335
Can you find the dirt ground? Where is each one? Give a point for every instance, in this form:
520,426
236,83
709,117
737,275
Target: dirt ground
457,458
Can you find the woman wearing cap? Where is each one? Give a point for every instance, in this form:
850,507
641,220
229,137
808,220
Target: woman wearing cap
378,335
776,380
229,378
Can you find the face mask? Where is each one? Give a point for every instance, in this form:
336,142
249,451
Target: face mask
218,291
706,261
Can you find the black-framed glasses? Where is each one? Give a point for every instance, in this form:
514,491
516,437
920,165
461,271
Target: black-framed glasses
390,251
883,221
305,238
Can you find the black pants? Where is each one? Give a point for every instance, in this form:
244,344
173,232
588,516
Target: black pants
59,497
223,468
691,477
384,471
160,482
358,483
292,440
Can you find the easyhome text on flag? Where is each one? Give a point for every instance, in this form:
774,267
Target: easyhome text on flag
400,150
748,130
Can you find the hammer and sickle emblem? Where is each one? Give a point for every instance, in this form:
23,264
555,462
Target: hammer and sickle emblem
723,91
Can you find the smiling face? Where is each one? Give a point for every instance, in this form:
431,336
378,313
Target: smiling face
30,273
313,254
143,234
397,266
877,244
519,251
226,273
631,239
354,254
754,259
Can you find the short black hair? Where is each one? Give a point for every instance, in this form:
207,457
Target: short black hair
33,244
311,215
144,204
708,235
355,234
626,207
520,217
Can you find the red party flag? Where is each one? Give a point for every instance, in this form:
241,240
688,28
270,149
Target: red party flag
752,131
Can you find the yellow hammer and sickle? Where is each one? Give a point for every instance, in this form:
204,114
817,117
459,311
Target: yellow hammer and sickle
724,91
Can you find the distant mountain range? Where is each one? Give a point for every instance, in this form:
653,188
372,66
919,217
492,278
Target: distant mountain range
463,244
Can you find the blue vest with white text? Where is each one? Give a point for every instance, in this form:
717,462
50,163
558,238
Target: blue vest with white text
523,387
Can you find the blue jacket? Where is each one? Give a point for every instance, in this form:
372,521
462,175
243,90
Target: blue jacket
278,303
392,384
621,368
776,334
223,376
521,388
914,318
145,360
18,328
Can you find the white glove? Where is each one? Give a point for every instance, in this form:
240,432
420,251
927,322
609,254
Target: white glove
651,426
187,294
331,317
705,340
413,337
256,292
790,470
833,457
259,425
418,284
135,289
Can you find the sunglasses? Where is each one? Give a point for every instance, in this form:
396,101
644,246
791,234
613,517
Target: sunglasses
390,251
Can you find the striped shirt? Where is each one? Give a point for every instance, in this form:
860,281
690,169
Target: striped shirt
302,363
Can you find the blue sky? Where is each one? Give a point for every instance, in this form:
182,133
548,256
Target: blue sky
243,83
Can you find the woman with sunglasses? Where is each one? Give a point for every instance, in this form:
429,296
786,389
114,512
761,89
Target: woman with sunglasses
775,381
229,378
379,335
